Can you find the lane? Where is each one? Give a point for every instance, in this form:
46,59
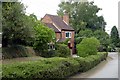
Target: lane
106,69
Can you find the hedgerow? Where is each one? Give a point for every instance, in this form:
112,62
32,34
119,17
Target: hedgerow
56,67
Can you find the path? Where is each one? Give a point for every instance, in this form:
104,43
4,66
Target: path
106,69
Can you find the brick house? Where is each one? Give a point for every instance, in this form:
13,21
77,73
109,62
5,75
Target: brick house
61,27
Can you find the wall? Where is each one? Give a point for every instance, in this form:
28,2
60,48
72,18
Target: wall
58,36
46,19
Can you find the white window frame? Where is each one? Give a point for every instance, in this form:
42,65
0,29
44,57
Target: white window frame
70,34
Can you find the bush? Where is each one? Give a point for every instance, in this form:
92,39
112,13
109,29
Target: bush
64,42
87,47
43,36
51,67
62,50
48,53
90,61
111,48
15,51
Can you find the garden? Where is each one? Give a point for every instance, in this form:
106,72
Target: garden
26,36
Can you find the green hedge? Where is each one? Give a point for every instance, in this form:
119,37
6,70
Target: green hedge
51,67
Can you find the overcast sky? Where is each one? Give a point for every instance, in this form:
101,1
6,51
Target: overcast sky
41,7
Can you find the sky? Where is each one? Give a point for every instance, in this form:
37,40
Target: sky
42,7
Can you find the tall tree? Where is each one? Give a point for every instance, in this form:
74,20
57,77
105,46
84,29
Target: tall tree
114,36
82,15
15,24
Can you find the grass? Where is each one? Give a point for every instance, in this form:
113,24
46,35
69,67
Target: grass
22,59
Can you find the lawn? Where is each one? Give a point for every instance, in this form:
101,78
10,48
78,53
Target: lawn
22,59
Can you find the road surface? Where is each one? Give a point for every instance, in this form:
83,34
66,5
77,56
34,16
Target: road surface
106,69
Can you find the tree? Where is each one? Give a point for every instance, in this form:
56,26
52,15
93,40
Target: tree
103,37
114,36
15,24
88,46
43,36
85,33
82,15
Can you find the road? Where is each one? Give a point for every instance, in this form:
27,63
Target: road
106,69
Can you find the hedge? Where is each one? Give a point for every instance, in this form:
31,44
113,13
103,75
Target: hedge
51,67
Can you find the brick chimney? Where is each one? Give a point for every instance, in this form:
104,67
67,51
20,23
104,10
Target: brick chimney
66,17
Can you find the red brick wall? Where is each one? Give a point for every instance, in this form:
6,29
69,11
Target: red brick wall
63,34
58,36
71,39
46,19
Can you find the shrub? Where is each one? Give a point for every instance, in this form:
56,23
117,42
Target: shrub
48,53
15,51
43,36
47,68
111,48
90,61
87,47
64,42
62,50
51,67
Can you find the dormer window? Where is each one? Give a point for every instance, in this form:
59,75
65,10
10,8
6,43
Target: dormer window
68,34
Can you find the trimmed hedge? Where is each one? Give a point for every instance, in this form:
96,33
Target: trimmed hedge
51,67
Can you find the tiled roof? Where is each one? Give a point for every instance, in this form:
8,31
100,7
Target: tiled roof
50,25
58,21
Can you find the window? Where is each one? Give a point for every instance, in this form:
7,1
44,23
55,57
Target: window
68,34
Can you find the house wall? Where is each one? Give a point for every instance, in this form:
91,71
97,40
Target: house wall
71,39
58,36
63,34
46,19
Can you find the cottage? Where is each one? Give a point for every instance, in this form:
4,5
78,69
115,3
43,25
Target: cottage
61,27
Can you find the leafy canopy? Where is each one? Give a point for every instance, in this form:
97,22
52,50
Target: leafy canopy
114,36
16,28
82,15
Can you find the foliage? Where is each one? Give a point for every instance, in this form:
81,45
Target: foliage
87,33
15,29
17,51
103,37
111,48
43,36
88,46
114,36
64,42
62,50
90,61
82,15
50,68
